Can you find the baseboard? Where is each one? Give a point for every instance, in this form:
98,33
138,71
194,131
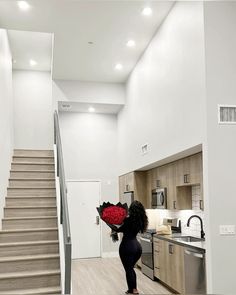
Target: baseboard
110,254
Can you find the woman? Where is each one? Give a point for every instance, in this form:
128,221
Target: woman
130,249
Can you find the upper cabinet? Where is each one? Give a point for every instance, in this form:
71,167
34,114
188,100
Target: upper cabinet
189,170
135,182
177,177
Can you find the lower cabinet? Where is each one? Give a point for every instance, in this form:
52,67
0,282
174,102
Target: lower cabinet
169,264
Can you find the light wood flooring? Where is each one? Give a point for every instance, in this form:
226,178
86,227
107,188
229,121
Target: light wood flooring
103,276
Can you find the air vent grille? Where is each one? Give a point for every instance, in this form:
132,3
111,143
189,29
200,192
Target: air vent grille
227,114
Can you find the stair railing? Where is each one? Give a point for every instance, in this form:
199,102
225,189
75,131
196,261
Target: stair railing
64,213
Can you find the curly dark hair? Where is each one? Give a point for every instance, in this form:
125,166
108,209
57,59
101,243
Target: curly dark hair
137,215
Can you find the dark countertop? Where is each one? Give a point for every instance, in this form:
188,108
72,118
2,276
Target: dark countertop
172,238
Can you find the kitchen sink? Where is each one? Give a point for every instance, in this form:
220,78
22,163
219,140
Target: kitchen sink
188,239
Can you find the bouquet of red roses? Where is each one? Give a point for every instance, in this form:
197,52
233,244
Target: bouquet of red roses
113,215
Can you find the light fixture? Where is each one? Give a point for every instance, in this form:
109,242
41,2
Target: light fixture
118,67
91,109
14,61
33,62
147,11
23,5
130,43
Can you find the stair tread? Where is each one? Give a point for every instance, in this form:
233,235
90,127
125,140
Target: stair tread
34,156
29,217
52,290
32,163
28,230
38,171
32,179
28,257
22,274
28,196
36,187
30,243
29,207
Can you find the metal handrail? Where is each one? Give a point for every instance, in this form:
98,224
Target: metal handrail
64,213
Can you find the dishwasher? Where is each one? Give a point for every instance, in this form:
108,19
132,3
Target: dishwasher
195,271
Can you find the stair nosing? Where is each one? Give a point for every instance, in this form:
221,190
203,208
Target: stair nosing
28,218
22,187
39,291
32,163
22,274
44,171
29,243
31,179
29,257
29,230
39,196
28,207
46,157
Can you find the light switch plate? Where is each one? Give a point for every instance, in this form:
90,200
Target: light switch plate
227,230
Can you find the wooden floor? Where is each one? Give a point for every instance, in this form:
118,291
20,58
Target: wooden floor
103,276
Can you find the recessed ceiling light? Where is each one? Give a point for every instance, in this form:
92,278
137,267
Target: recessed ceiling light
147,11
91,109
23,5
33,62
118,67
131,43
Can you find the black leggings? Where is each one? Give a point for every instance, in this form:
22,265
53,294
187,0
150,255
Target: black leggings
130,251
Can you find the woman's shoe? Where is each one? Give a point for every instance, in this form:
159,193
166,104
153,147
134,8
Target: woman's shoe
131,292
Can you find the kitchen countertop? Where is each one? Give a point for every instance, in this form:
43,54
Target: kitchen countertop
171,238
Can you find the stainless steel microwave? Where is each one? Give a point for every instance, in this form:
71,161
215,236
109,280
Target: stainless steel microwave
159,198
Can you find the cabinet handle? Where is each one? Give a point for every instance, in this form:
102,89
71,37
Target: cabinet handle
127,187
187,178
156,251
174,204
171,249
158,183
201,204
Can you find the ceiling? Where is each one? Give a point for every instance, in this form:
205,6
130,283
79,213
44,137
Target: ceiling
108,24
26,46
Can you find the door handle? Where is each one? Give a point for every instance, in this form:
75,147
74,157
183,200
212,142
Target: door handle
171,249
97,220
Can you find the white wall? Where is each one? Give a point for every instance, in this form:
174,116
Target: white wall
165,92
93,92
33,118
90,152
220,40
6,115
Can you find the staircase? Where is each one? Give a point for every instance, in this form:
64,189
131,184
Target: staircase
29,247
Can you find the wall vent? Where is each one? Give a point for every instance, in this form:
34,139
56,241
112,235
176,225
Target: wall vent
227,114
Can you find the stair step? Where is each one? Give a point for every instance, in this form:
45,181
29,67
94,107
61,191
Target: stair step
34,174
24,235
29,280
32,166
29,222
27,211
27,263
33,153
29,248
22,191
30,201
38,291
31,183
27,159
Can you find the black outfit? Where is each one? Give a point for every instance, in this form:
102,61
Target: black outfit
130,251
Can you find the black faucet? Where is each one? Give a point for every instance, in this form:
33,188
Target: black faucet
188,223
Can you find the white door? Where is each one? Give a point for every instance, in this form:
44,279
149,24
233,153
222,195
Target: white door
83,198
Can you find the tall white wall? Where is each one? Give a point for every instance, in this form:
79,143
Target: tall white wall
165,92
220,40
90,152
6,115
93,92
33,118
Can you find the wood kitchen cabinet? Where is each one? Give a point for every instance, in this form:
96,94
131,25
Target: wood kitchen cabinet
135,182
169,264
189,170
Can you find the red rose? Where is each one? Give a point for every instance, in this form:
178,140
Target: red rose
114,215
